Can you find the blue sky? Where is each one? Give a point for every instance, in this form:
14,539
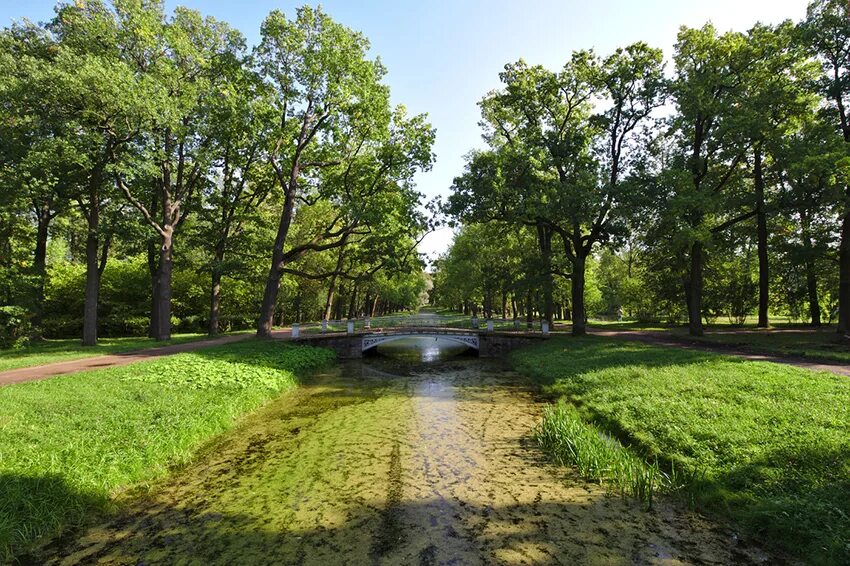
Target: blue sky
444,55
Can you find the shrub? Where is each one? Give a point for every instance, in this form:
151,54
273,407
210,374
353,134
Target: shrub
14,326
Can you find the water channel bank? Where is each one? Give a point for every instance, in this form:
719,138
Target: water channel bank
414,459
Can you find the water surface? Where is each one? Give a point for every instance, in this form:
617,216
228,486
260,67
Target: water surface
415,457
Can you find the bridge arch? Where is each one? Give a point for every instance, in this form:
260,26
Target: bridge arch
372,341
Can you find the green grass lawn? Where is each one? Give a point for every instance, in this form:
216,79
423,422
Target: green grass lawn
69,443
767,444
50,351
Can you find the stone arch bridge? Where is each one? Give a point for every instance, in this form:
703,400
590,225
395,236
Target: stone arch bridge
363,343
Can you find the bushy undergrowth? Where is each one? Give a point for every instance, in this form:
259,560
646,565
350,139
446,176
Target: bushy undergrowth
67,444
768,445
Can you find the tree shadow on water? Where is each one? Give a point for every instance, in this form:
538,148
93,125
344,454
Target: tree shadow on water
427,532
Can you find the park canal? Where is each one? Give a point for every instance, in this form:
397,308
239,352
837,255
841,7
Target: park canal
417,457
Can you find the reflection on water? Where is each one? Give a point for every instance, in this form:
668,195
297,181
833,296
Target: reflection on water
422,349
418,456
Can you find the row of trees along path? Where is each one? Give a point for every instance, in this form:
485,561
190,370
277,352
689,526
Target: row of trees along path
607,150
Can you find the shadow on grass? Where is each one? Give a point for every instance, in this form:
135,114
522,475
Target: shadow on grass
32,507
807,509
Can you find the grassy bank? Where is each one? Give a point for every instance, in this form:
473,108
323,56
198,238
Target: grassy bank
50,351
68,444
765,444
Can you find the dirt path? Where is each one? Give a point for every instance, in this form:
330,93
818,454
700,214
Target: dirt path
373,464
665,339
20,375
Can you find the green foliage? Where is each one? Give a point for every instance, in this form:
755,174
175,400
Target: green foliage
67,444
14,327
767,442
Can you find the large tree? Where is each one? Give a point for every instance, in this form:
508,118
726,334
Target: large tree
176,61
704,176
38,150
827,32
774,100
239,122
96,94
565,140
336,140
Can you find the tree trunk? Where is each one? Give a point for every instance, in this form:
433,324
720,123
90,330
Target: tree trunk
844,273
811,274
577,293
340,303
93,271
329,300
761,222
352,302
215,301
153,270
298,307
544,241
163,299
39,264
694,291
266,319
374,306
812,288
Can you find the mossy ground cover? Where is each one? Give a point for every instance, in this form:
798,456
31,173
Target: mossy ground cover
767,445
68,444
50,351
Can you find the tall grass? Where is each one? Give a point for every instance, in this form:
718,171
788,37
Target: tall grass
598,457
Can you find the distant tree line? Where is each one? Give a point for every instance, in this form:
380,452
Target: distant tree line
156,173
718,187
